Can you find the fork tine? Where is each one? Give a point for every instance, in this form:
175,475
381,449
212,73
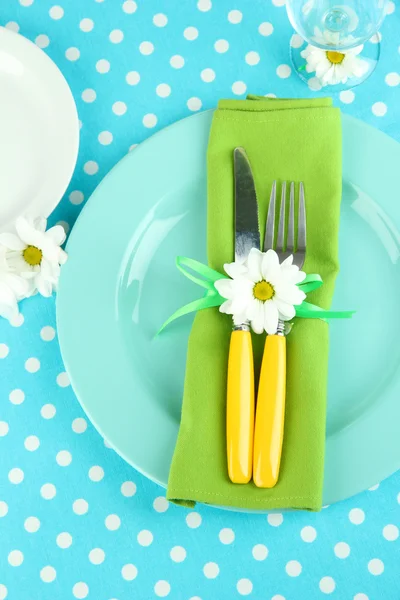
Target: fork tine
270,225
290,239
281,226
302,227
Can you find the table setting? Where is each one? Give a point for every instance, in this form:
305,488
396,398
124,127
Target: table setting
199,239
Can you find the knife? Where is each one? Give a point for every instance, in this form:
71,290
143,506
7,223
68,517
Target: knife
240,381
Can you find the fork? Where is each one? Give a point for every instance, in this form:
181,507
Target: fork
270,412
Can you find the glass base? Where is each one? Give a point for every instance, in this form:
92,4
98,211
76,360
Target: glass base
370,54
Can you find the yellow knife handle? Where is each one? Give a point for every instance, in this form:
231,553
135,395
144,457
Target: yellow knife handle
270,413
240,407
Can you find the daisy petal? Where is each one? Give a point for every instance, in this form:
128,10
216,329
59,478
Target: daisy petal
269,265
257,319
28,234
235,269
254,261
271,317
224,288
290,294
286,311
40,223
56,234
12,241
239,319
226,307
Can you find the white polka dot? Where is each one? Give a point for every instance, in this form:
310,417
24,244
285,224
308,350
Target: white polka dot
278,597
16,475
76,197
80,590
105,138
235,16
3,591
392,79
42,40
204,5
252,58
207,75
48,411
259,552
390,7
48,491
47,333
91,168
64,458
48,574
128,489
163,90
145,537
129,572
3,508
15,558
96,473
18,320
356,516
162,588
160,20
161,504
89,95
193,520
221,46
132,78
308,534
314,84
283,71
26,2
342,550
275,519
97,556
398,498
194,104
79,425
177,61
265,29
56,12
278,2
119,108
191,33
4,350
146,48
80,506
376,566
327,585
390,533
361,597
373,487
64,540
12,26
112,522
296,41
293,568
244,587
4,428
32,443
86,25
72,54
149,120
239,88
178,554
129,6
116,36
226,535
103,65
211,570
32,365
379,109
347,96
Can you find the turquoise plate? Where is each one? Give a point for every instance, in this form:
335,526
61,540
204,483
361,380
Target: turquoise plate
120,284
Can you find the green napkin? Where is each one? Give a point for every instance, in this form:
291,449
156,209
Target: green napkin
297,140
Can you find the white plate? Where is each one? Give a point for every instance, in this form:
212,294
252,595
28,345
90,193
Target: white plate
39,130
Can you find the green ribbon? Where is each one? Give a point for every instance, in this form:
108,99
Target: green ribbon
205,277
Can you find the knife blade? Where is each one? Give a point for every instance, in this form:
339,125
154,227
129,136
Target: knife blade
247,232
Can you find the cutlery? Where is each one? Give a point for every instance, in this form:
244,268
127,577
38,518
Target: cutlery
240,380
270,413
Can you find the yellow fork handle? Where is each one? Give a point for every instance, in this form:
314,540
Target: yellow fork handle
270,414
240,407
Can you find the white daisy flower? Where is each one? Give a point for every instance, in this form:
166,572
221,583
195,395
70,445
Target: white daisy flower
35,254
332,67
12,288
261,291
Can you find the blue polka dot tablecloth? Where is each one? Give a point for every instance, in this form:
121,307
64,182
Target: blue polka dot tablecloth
75,520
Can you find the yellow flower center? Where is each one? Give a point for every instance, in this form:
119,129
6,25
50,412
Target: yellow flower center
336,58
263,291
32,256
